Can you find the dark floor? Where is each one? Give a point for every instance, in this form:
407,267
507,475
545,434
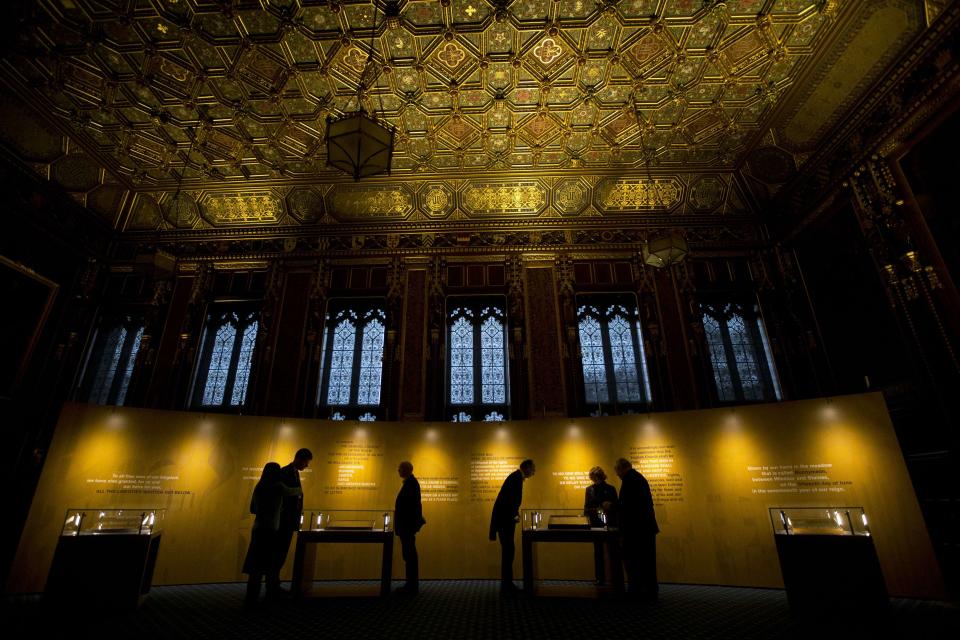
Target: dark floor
473,609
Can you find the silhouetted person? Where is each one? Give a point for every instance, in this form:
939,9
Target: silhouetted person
408,514
600,496
289,518
503,522
638,531
266,503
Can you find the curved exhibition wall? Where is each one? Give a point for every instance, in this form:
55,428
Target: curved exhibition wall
714,474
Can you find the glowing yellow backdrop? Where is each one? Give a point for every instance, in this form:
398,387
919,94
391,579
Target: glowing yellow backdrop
714,474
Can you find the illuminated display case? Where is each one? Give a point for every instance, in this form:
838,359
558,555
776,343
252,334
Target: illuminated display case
571,526
827,559
347,520
88,522
105,557
363,526
554,520
826,521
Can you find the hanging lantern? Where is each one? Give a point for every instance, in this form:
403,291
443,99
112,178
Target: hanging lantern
359,145
665,250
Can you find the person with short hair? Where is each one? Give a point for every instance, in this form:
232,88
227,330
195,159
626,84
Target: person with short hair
598,497
503,522
638,531
408,520
266,503
290,515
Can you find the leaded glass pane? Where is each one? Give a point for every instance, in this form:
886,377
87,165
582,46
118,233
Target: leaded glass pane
718,358
770,364
107,366
367,417
493,416
493,365
624,360
461,362
594,368
644,371
341,363
462,417
128,368
242,377
745,357
219,368
371,363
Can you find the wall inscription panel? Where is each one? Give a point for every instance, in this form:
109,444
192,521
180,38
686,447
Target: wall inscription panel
714,475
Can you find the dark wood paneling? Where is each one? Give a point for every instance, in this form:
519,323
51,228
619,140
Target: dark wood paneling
285,371
543,332
412,405
677,343
161,383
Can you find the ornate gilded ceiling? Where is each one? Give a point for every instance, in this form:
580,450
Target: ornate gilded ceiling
210,113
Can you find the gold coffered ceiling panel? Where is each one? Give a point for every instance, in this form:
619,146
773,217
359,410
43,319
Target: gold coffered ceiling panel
238,91
502,107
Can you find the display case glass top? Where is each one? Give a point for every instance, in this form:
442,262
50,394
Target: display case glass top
822,521
90,522
347,520
557,519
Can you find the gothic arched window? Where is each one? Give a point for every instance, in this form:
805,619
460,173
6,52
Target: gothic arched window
740,356
351,371
226,357
111,359
612,355
478,387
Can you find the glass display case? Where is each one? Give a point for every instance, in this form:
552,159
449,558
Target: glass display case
822,521
555,519
347,520
87,522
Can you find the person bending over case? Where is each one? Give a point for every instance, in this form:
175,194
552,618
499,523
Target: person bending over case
503,522
289,518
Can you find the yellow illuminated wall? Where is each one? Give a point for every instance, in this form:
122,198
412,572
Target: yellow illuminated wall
714,473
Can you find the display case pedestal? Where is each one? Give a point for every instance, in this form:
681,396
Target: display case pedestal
304,559
607,537
105,571
831,572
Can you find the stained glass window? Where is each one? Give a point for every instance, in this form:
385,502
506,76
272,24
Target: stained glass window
740,356
111,361
477,374
226,358
351,373
612,356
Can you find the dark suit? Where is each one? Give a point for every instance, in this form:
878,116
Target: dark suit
593,500
408,514
503,522
638,530
290,512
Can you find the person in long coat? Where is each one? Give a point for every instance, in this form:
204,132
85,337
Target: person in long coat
638,531
503,522
266,504
289,519
408,519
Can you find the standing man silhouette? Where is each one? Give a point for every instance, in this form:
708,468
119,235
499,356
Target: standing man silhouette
638,531
408,514
290,513
503,522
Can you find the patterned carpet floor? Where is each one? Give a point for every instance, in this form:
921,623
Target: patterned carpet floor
473,609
